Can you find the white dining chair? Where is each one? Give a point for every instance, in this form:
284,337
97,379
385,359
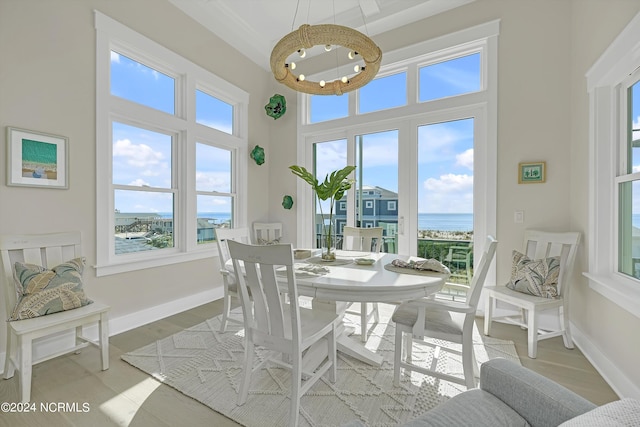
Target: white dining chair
267,233
442,320
223,235
539,245
287,330
364,240
46,251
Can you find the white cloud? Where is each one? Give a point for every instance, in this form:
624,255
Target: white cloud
138,155
139,183
448,194
465,159
213,181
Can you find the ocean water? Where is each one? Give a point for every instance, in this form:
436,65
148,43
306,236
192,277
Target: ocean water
426,221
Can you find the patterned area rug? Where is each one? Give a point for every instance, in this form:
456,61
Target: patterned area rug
206,365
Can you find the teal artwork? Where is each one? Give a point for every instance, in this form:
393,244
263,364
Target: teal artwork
287,202
257,154
276,107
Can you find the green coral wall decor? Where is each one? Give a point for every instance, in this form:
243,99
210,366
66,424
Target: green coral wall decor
276,107
287,202
257,154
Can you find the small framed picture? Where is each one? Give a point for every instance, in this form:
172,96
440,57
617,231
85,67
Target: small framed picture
36,159
531,173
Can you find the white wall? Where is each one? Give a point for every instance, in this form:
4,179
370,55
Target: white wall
47,83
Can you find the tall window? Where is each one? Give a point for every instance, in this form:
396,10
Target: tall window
422,138
614,188
171,145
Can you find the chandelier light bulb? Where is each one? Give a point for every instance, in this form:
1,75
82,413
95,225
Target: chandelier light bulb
356,68
352,54
327,47
322,83
301,77
344,79
302,53
292,65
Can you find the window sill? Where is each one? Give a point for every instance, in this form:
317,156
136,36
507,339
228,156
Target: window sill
619,290
123,267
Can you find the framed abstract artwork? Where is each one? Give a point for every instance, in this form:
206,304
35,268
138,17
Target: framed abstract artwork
531,173
36,159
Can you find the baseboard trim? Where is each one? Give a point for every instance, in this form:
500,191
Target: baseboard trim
616,379
152,314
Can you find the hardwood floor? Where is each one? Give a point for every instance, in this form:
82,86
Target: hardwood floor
125,396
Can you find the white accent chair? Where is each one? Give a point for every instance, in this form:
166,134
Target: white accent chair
267,233
288,330
444,320
46,250
228,277
364,240
539,245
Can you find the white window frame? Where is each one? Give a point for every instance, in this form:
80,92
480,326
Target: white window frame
368,204
392,205
112,35
481,105
606,82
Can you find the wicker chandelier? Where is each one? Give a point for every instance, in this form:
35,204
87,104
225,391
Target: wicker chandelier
328,35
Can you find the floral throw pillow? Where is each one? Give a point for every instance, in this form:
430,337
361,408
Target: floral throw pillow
538,277
44,291
265,242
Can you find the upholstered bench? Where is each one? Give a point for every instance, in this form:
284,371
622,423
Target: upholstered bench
511,395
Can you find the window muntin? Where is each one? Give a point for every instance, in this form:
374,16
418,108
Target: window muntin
633,127
140,83
453,77
213,112
393,86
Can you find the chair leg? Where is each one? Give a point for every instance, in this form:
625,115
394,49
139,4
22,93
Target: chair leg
246,372
225,310
566,329
10,355
376,312
78,338
103,330
488,315
468,360
26,361
532,334
397,357
296,388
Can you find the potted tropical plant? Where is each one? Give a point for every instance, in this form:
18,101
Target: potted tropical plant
332,188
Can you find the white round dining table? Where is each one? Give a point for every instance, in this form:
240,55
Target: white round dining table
333,285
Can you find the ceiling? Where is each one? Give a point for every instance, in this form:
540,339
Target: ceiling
254,26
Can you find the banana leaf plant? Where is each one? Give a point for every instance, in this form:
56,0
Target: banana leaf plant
332,188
